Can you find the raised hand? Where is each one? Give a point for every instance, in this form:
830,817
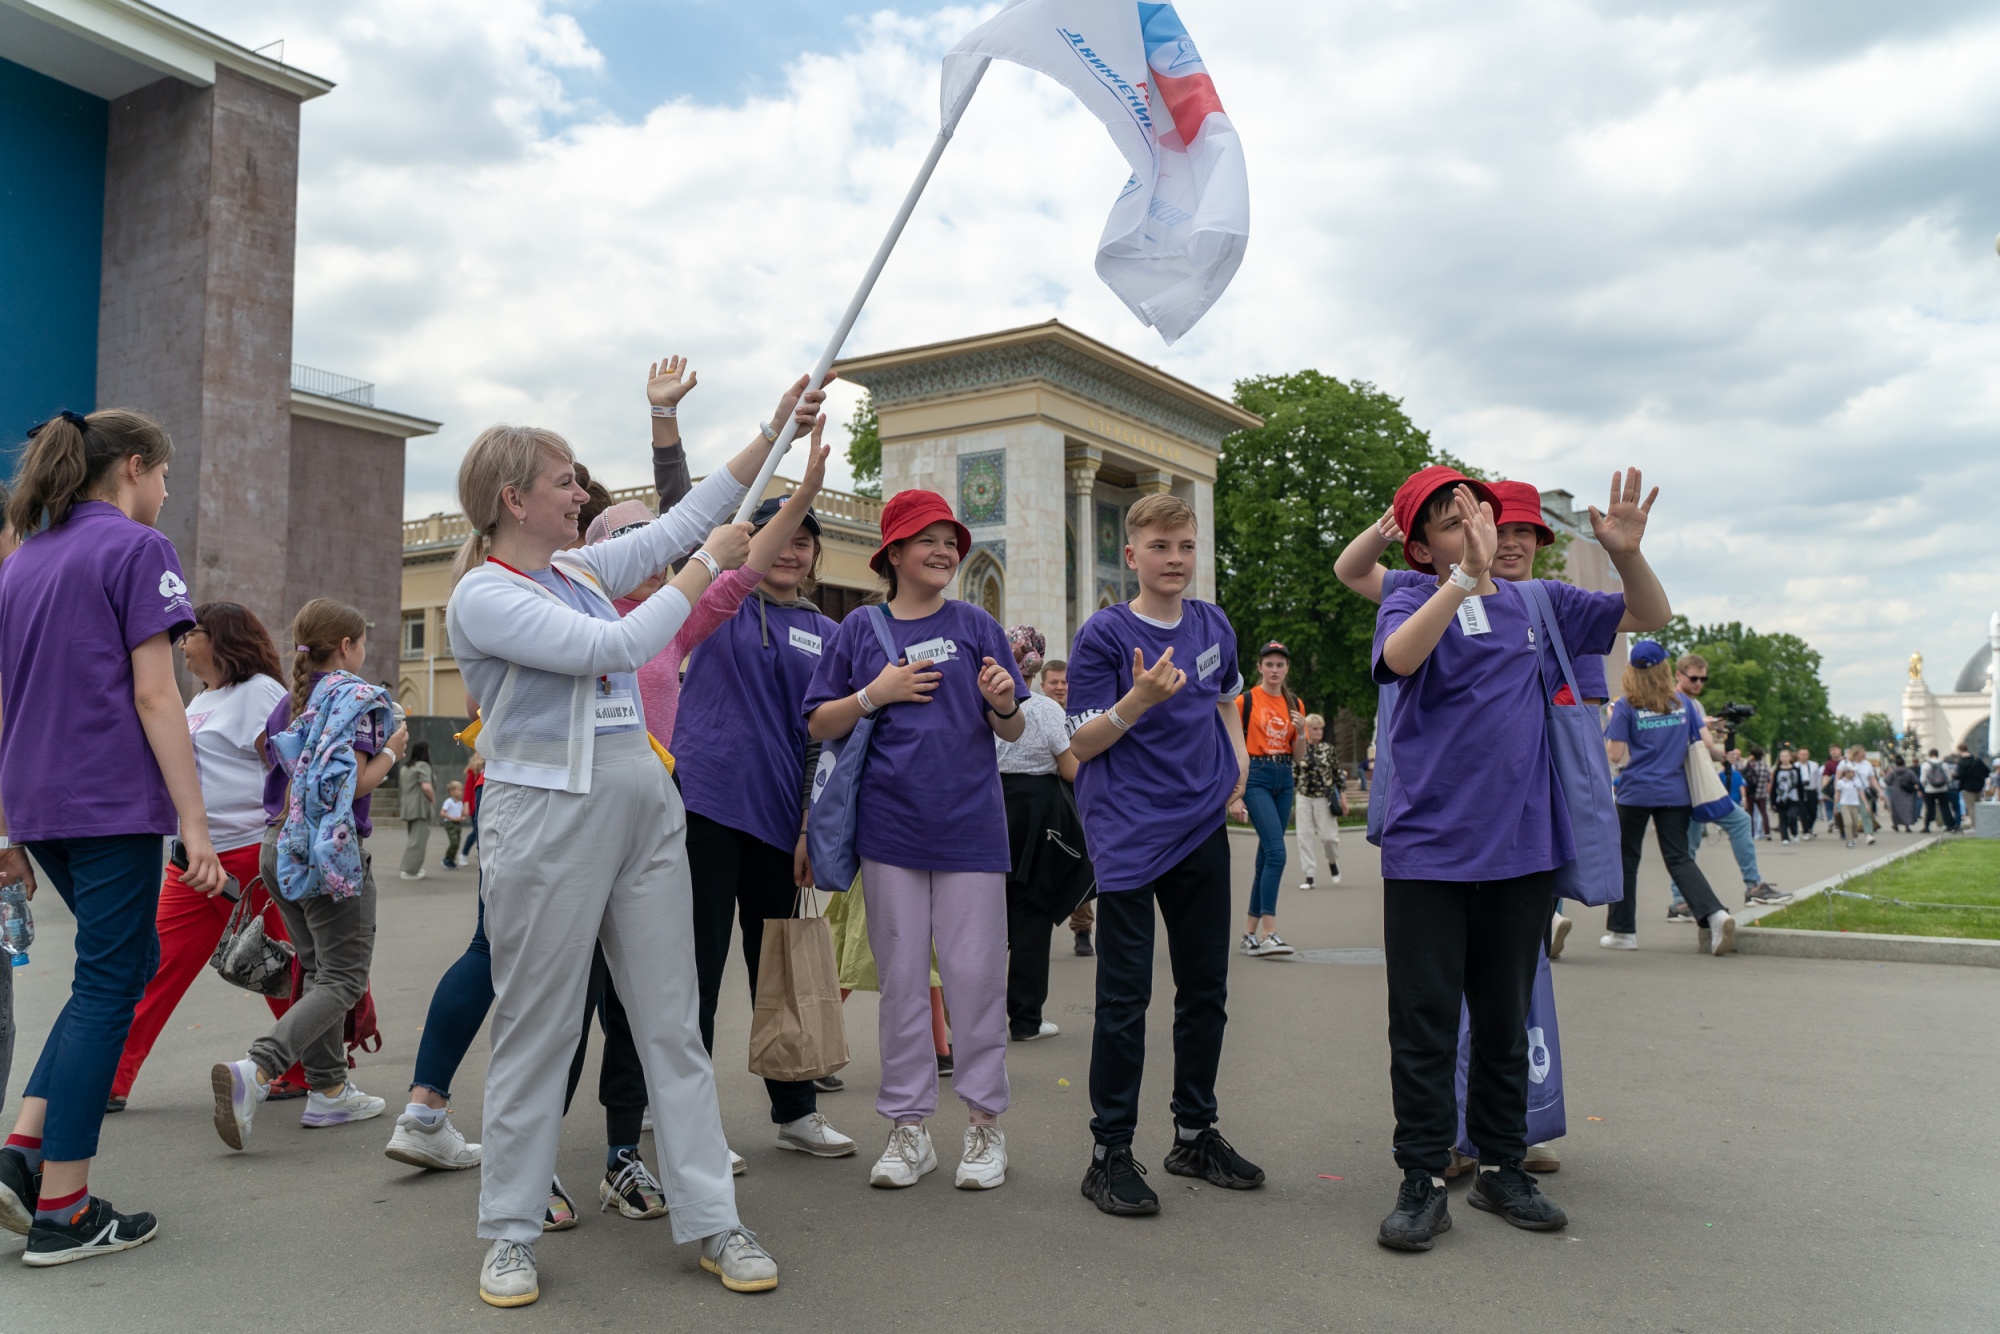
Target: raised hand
815,474
1622,523
903,681
1158,683
1482,534
798,401
997,684
729,544
669,381
1387,526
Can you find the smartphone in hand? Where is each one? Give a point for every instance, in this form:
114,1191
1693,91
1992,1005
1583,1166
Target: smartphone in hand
179,860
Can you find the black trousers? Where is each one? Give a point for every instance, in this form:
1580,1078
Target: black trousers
1788,816
1941,806
1477,942
621,1081
1028,934
738,876
1670,831
1193,900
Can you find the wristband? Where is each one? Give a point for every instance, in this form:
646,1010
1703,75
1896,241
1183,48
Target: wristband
1116,721
1003,717
770,436
666,409
714,569
868,706
1462,581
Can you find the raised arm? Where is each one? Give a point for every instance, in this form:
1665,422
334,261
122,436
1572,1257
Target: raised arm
1618,529
667,383
1359,565
795,401
1150,686
1410,643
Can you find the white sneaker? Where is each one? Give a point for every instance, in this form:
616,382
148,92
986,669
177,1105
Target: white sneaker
416,876
1272,946
508,1276
984,1163
906,1159
1047,1030
1558,933
1305,884
1721,930
739,1261
737,1167
814,1134
1333,879
436,1145
350,1105
237,1097
1249,945
1619,940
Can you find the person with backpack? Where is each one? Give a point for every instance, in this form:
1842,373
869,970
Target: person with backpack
1971,773
1274,729
1940,785
931,830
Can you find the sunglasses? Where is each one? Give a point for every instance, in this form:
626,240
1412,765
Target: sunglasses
1698,680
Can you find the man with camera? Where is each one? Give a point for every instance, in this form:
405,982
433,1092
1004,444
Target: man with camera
1691,678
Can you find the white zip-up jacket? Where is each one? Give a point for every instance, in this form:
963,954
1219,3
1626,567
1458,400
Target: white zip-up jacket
532,660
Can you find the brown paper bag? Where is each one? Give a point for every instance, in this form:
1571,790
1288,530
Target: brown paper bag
796,1030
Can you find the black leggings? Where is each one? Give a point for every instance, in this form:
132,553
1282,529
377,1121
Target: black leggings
1670,831
1788,815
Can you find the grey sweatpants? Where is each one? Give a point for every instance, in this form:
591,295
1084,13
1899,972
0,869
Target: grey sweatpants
561,872
336,944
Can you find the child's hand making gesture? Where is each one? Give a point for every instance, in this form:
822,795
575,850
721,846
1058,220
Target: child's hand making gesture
1155,684
997,686
669,381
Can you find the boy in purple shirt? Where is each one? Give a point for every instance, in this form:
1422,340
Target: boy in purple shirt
1161,757
1474,831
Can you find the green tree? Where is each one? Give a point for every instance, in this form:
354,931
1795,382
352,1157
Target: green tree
864,448
1777,674
1551,562
1288,496
1874,730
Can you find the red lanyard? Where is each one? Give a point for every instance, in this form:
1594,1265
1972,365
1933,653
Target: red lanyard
495,560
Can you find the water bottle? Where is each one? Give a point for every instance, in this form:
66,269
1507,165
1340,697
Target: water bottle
17,924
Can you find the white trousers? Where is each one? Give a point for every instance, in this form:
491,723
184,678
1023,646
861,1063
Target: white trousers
1319,835
561,872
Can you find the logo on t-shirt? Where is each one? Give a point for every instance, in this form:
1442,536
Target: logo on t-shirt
805,641
931,650
172,585
1646,720
1206,664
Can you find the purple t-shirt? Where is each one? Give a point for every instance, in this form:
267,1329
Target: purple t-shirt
1162,789
1655,772
368,740
740,738
1472,797
75,601
930,792
1589,666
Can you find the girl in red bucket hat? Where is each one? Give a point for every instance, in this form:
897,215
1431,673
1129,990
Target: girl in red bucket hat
931,830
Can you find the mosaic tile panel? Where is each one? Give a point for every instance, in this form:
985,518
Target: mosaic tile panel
982,488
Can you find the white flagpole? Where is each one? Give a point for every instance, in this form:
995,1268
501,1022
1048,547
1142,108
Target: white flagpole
826,359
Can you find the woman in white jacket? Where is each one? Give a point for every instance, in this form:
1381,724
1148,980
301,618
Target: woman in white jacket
582,831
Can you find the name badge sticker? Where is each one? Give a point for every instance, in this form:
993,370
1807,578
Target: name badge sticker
1472,616
617,709
805,641
1205,666
931,650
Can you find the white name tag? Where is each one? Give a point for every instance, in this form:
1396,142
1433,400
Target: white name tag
1472,616
931,650
806,642
1205,665
617,710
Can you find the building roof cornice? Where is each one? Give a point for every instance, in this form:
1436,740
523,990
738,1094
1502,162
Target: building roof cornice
342,413
106,46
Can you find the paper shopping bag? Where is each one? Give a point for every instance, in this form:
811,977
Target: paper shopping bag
796,1030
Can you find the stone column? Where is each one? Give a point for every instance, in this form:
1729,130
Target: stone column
1082,465
1156,483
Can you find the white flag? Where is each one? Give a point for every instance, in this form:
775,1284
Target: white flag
1177,232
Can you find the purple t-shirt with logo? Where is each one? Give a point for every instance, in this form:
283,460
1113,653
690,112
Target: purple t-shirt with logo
740,737
930,792
368,740
1472,797
1589,666
1655,772
1162,789
75,601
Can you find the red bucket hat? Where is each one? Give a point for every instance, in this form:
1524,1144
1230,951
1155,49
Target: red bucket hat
908,513
1521,503
1416,492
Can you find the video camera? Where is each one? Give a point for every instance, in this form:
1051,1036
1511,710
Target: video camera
1732,717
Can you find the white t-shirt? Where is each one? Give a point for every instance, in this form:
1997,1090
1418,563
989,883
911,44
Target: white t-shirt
1846,786
225,725
453,809
1045,736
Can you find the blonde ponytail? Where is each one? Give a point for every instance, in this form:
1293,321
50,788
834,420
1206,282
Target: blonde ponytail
501,457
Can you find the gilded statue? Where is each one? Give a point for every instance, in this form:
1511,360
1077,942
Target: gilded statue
1916,666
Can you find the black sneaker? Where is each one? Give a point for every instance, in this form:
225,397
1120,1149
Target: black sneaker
1083,945
1422,1211
829,1084
1212,1158
945,1066
94,1229
1114,1183
20,1190
1513,1194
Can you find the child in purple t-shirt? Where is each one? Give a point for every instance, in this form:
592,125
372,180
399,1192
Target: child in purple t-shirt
931,830
1474,831
1161,759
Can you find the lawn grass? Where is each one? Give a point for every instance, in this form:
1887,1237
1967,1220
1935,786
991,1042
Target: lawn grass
1962,870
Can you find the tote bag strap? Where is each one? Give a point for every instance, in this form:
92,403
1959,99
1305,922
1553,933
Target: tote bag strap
880,621
1544,613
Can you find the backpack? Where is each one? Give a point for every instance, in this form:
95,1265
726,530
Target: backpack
1935,779
1292,705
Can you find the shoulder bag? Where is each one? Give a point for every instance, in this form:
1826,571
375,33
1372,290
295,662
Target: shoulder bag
834,815
246,957
1710,799
1583,773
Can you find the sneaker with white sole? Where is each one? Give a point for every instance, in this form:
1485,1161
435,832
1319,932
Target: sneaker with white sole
906,1159
737,1164
1542,1158
508,1277
20,1192
94,1229
436,1145
739,1261
1558,933
560,1213
237,1097
1047,1030
1249,945
814,1134
631,1187
1272,946
414,875
983,1165
1619,940
1721,930
1305,884
351,1104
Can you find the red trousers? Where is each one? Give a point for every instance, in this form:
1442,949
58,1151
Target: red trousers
190,924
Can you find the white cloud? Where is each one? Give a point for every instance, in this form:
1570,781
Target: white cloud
1747,248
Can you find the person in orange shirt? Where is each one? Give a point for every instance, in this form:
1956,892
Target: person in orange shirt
1274,729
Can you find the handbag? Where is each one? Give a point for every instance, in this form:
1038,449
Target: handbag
834,817
246,957
796,1028
1710,799
1596,876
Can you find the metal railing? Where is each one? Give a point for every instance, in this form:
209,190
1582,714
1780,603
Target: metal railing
347,389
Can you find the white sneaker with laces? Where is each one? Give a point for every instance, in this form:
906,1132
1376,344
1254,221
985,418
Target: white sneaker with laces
508,1277
1721,930
1558,933
436,1145
814,1134
1047,1030
983,1165
350,1104
739,1261
906,1159
1619,940
237,1097
632,1188
1272,946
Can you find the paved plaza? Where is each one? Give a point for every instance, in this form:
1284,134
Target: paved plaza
1755,1143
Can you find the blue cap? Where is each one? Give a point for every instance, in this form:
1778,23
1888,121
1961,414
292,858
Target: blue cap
1646,653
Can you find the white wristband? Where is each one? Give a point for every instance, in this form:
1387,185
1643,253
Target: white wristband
714,569
666,409
1116,721
868,706
770,435
1463,581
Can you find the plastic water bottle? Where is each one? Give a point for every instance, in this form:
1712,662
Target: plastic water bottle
17,924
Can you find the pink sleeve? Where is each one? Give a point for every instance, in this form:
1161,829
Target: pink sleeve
718,603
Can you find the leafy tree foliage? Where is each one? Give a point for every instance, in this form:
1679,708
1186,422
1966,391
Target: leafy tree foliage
1778,674
864,448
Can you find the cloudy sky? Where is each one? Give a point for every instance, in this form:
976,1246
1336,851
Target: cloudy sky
1748,246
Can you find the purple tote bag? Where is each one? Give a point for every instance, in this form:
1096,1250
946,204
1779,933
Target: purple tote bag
1546,1120
1583,773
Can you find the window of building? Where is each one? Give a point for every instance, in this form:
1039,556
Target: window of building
413,633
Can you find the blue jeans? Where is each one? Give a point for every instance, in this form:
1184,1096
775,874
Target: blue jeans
112,885
1736,824
1269,797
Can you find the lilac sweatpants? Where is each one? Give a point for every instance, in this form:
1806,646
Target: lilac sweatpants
965,913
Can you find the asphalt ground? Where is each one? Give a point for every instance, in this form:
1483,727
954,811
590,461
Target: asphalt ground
1754,1143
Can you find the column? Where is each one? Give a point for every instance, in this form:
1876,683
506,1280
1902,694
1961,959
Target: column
1082,465
1156,483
